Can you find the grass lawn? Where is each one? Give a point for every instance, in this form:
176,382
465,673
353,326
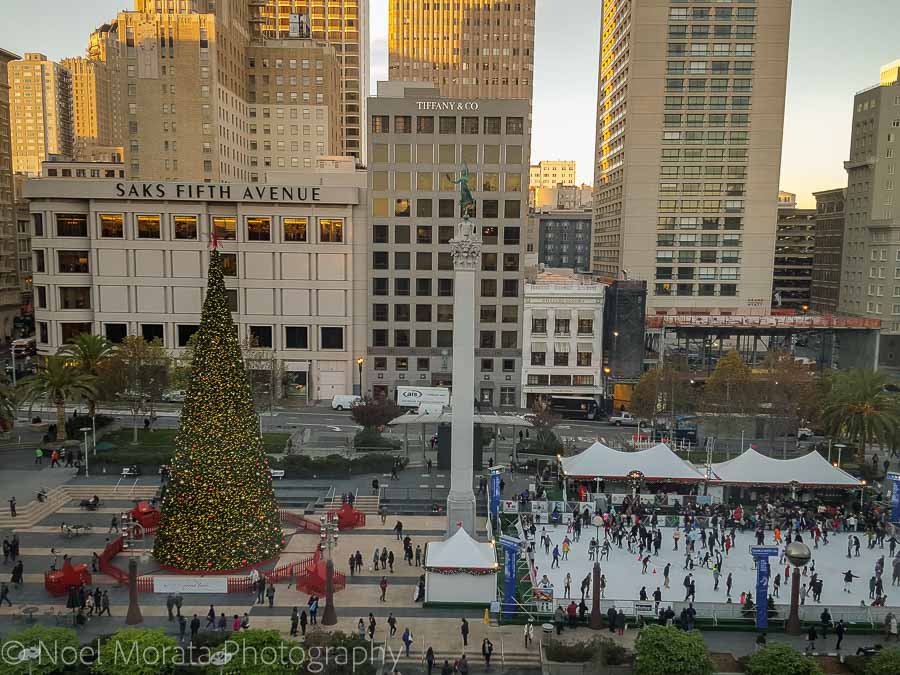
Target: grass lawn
157,446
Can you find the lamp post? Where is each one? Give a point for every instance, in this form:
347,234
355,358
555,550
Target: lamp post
840,447
794,485
359,364
862,493
635,478
329,539
798,554
85,431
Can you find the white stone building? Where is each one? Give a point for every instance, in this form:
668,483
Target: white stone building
562,350
121,258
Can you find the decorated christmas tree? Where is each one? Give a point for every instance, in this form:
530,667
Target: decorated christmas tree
219,511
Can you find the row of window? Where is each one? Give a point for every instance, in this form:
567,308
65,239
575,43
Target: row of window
714,256
562,326
719,31
424,234
446,154
423,364
185,227
702,273
443,313
425,261
561,357
697,222
538,380
447,208
403,124
713,102
701,154
718,13
422,339
402,181
698,240
381,287
704,290
707,137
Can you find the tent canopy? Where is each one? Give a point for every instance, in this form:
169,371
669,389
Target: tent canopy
658,463
462,551
811,470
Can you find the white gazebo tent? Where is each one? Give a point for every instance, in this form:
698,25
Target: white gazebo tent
809,471
658,463
460,571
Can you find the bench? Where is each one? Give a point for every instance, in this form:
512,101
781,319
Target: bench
277,473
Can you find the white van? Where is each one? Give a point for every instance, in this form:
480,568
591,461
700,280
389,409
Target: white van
344,401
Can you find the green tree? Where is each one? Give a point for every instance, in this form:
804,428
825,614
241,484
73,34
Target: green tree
138,651
261,652
92,355
57,382
789,392
64,640
180,372
730,388
781,659
887,662
860,410
543,419
663,650
665,391
320,643
374,413
9,400
219,512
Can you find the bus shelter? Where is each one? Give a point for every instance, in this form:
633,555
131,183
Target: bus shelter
421,422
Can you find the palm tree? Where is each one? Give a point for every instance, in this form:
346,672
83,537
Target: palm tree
7,403
859,409
92,353
57,382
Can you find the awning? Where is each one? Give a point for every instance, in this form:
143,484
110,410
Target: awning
561,347
585,347
562,313
460,552
658,463
754,468
585,314
539,346
539,313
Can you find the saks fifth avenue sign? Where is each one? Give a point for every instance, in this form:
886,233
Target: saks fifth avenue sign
219,192
453,106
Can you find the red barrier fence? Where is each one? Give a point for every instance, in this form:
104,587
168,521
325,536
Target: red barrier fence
298,521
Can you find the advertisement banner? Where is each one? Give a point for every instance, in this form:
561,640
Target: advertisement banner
181,584
895,496
495,492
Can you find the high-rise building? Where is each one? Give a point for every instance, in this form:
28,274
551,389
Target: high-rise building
40,111
207,96
417,149
469,49
91,103
343,24
551,173
568,197
871,246
690,117
826,272
9,279
564,239
794,250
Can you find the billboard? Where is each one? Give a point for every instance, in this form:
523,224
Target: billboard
413,397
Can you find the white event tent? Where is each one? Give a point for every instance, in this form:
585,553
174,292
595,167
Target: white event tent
810,471
658,463
460,570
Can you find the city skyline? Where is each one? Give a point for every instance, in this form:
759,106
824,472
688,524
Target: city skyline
818,106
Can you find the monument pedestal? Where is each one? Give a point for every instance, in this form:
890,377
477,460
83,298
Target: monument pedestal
461,513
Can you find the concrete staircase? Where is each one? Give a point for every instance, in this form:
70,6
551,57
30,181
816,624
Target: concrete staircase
32,513
368,504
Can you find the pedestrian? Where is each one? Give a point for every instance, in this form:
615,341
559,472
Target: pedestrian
104,604
39,456
811,637
361,629
303,622
418,555
12,507
760,641
170,606
211,617
462,666
313,609
464,631
429,659
182,625
195,627
295,621
620,622
223,623
383,585
179,600
487,649
54,459
260,590
4,594
666,575
398,530
392,625
236,624
270,594
839,630
113,526
407,639
529,634
390,560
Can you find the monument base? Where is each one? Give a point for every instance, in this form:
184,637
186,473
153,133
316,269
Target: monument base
461,513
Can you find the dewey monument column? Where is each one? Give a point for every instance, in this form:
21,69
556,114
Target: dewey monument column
465,248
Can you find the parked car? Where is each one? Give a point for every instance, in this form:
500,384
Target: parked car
624,419
804,433
344,401
176,396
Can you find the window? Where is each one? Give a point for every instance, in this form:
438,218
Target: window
331,230
74,262
585,326
561,355
425,124
401,363
512,208
402,124
71,225
294,229
41,296
583,356
562,327
539,326
489,288
115,332
112,225
488,314
40,264
70,330
153,331
401,207
148,227
423,288
510,288
185,227
184,333
259,228
225,228
447,125
487,339
231,297
515,125
332,337
401,338
37,221
261,336
446,208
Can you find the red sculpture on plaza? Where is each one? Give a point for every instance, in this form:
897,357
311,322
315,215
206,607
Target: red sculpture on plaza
58,582
145,514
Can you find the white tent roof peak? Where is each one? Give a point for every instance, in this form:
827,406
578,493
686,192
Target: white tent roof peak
656,463
462,551
811,470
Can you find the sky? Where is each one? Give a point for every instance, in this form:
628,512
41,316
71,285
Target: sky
836,49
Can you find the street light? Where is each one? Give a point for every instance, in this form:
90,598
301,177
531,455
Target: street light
329,539
85,431
799,555
359,362
840,447
862,493
635,478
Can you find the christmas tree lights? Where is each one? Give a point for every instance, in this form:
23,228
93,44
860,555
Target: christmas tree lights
219,512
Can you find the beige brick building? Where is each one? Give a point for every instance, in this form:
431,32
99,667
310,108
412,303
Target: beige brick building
10,296
550,173
469,49
40,111
690,119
